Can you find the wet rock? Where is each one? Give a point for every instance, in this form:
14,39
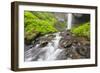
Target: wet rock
43,40
75,41
65,43
50,37
71,53
82,40
72,47
83,51
43,43
75,55
66,35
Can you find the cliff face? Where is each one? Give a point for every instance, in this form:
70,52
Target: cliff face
80,18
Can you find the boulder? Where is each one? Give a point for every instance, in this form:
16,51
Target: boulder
43,43
65,43
83,50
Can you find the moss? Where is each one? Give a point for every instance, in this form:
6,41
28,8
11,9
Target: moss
38,22
82,30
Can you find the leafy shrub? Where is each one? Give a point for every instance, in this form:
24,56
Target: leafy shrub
82,30
38,22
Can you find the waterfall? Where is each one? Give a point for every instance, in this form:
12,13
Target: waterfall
49,52
69,22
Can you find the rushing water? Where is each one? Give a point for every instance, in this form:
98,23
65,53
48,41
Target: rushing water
56,49
50,52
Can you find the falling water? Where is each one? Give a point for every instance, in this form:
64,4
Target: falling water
51,51
69,22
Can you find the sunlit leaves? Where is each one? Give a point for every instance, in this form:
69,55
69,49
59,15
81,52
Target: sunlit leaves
38,22
82,30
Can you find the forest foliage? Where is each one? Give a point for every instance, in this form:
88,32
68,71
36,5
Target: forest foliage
41,23
38,23
83,30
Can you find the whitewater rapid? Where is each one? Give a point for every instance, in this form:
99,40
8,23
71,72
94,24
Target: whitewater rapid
50,52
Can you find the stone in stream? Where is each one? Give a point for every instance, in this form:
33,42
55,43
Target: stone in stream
51,36
71,53
71,47
43,43
65,43
66,34
82,46
43,40
84,51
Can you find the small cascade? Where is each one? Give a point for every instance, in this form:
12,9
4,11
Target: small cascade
53,51
47,53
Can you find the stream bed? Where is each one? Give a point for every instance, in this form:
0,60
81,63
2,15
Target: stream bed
57,46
